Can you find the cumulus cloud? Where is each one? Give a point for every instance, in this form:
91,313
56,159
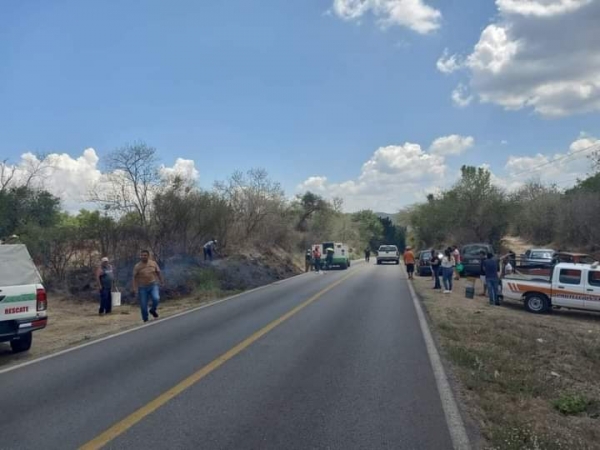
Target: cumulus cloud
539,54
73,178
451,145
413,14
392,177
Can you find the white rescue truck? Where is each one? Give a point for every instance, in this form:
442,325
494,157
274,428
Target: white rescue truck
569,285
23,304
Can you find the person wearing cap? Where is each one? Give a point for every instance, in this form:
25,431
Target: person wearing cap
105,278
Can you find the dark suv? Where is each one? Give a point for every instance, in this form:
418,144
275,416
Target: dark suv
471,258
423,267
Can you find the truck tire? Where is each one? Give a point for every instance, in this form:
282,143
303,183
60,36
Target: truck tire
348,263
397,261
343,266
378,262
537,303
22,344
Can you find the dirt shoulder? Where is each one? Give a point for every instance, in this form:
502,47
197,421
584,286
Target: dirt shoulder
73,322
529,381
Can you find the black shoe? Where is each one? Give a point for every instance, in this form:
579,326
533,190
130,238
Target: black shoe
154,313
145,320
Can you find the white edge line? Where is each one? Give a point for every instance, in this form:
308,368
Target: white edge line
149,324
456,426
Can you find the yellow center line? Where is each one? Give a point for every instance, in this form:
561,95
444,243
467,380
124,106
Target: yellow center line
121,427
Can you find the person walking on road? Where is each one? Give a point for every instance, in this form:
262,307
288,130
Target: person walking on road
317,259
209,249
367,254
106,279
435,262
448,270
146,279
490,267
409,261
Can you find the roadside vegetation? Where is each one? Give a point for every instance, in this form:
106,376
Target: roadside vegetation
262,234
528,381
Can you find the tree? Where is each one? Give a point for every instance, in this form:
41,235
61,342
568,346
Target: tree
310,204
132,181
257,202
370,229
21,206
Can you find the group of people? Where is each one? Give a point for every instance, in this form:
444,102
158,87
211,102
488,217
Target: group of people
147,279
447,266
313,258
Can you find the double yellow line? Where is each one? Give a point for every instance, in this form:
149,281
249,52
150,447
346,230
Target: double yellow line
121,427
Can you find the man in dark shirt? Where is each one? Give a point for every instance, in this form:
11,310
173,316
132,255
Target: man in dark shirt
490,268
435,269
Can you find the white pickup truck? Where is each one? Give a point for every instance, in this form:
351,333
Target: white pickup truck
23,303
388,253
569,285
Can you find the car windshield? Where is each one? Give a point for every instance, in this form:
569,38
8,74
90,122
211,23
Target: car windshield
426,256
388,248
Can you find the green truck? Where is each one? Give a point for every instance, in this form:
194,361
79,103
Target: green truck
341,254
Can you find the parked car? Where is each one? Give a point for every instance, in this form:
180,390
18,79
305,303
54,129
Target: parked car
388,253
471,258
23,304
569,285
423,267
535,256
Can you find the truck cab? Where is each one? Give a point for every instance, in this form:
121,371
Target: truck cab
23,301
569,285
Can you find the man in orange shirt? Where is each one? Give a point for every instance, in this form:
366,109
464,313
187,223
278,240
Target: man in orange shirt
409,260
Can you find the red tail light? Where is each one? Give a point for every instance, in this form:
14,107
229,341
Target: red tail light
42,301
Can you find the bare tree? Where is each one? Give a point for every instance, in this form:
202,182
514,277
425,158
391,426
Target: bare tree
7,173
131,181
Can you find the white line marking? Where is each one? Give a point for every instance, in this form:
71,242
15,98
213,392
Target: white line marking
149,324
458,433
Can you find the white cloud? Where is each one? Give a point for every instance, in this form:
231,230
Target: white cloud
539,54
540,8
449,64
183,168
504,142
461,96
72,179
562,168
394,176
451,145
413,14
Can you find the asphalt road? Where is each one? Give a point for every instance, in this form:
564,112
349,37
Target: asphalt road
349,370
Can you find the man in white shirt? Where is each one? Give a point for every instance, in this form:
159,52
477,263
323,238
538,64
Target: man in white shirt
209,248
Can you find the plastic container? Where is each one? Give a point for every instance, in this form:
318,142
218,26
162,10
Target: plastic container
115,298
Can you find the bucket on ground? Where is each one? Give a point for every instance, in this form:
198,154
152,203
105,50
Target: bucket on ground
116,298
470,288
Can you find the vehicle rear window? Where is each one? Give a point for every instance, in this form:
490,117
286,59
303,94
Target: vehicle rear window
388,248
594,278
426,256
475,249
541,255
570,276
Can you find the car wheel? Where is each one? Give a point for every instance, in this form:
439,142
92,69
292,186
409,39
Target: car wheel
22,344
537,303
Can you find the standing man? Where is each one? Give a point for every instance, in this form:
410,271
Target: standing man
435,262
409,260
146,279
482,257
367,254
317,259
308,260
209,248
490,266
105,278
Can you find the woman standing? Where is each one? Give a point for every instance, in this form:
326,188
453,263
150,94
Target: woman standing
448,270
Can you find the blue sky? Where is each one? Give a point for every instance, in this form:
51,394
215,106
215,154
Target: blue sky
292,86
